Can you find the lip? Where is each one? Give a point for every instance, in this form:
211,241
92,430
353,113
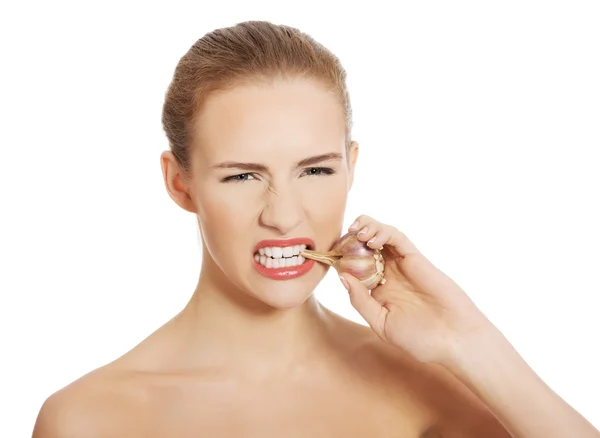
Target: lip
286,273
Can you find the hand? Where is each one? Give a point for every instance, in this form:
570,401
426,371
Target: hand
419,308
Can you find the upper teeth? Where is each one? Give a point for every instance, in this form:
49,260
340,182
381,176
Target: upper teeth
278,252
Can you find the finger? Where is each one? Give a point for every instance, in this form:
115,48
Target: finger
360,222
382,234
380,238
369,227
367,232
373,232
401,243
372,312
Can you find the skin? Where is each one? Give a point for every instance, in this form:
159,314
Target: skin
251,356
426,314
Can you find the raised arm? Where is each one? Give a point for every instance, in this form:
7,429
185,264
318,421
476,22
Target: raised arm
422,311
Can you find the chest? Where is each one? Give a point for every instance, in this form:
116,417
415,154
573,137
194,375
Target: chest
271,411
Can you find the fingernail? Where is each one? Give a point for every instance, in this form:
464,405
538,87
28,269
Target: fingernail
345,283
363,231
372,240
354,225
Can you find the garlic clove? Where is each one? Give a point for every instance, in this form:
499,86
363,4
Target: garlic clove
323,257
350,255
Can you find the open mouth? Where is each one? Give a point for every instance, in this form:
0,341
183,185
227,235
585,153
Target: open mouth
274,257
280,259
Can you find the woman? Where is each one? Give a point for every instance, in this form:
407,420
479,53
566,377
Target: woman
259,124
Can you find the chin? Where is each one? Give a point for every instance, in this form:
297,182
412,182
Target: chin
283,299
286,293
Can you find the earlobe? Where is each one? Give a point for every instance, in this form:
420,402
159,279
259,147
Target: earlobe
175,182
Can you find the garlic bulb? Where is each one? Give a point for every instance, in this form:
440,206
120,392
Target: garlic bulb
354,257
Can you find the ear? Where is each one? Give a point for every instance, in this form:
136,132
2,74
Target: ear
352,156
176,183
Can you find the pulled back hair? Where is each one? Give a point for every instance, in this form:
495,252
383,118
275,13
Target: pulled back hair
248,51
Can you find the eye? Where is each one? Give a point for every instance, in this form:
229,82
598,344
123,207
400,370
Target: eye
240,177
319,171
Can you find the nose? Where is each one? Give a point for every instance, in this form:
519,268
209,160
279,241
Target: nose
282,211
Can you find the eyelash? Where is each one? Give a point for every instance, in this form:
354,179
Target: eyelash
322,171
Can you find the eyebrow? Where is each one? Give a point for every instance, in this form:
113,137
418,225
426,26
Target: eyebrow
257,167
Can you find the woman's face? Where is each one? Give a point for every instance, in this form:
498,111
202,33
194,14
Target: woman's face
270,169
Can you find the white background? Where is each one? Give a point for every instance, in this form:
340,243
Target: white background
480,130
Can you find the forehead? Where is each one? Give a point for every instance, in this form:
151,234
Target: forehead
289,118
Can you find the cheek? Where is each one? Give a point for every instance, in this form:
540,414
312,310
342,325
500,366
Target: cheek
225,216
327,201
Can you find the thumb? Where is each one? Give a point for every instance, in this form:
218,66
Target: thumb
363,302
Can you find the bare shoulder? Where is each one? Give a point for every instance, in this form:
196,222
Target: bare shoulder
449,409
458,411
81,408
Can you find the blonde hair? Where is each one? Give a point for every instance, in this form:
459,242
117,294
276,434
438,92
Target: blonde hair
248,51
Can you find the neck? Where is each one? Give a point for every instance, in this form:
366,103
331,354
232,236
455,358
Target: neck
227,327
